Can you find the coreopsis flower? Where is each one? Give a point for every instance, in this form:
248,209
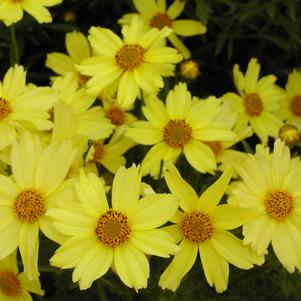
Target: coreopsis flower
15,286
270,184
78,49
189,70
155,14
137,61
257,102
37,182
181,126
202,226
90,120
119,236
290,109
109,154
289,134
12,11
20,106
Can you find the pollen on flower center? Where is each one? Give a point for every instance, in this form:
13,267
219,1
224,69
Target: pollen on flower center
29,205
129,56
10,285
295,105
253,104
4,108
160,21
197,226
177,133
116,115
215,146
99,151
112,229
279,204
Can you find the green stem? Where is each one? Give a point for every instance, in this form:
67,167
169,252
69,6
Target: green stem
14,53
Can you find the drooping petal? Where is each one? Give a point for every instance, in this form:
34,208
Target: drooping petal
131,266
179,266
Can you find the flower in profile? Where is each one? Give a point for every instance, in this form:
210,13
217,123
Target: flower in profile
11,11
180,127
108,154
202,226
155,14
20,106
119,236
15,286
137,61
90,120
257,102
290,110
78,49
270,184
37,182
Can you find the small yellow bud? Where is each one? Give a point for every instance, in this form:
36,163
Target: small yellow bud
289,134
189,69
69,16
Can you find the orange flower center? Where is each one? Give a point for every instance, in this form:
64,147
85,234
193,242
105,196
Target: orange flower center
197,226
99,151
129,56
112,229
215,146
177,133
295,105
116,115
4,108
279,204
160,21
29,205
253,104
10,285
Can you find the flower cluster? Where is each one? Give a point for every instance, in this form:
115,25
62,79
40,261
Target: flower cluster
78,155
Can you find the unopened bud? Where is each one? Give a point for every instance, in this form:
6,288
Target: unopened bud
69,16
289,134
189,69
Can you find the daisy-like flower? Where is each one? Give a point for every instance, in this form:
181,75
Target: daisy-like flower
137,61
78,49
119,236
156,15
290,110
15,286
182,126
109,154
270,184
11,11
90,120
202,227
37,182
257,102
20,105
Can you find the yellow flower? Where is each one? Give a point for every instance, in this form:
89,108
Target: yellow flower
156,15
89,120
78,49
290,110
20,105
270,184
119,236
11,11
137,61
202,228
15,286
109,154
181,126
37,182
257,102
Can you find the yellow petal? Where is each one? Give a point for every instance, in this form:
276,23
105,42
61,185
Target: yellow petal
77,46
175,9
60,63
188,28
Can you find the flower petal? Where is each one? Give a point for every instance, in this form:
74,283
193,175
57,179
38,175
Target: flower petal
188,28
